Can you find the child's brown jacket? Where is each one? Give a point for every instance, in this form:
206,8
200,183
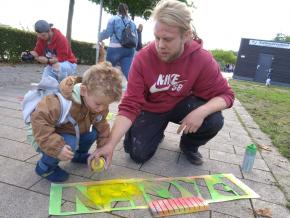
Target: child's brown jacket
47,113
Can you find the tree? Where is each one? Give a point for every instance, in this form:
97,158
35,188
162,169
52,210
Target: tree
136,8
282,37
224,57
69,20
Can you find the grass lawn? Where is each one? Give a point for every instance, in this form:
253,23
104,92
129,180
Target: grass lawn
270,108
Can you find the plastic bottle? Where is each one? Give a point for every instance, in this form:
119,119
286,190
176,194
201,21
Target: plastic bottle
249,158
98,167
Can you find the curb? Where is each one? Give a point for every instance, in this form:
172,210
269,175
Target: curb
278,165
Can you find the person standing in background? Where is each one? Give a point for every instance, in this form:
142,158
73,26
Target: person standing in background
116,53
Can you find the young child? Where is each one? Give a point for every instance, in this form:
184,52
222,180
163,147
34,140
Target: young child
268,80
90,95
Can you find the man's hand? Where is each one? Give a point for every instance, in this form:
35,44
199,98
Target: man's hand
192,122
66,153
106,151
195,118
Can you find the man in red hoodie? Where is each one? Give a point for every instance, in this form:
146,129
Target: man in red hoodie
173,79
53,49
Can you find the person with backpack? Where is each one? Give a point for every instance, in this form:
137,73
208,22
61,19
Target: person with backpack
52,49
88,99
172,79
123,39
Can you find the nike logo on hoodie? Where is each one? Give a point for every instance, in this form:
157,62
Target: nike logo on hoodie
167,82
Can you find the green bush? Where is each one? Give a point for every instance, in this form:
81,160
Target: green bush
85,52
14,41
224,57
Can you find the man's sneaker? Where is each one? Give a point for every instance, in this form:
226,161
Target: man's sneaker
194,157
53,175
80,158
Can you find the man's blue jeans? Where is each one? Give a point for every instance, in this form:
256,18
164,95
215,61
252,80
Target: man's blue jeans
86,140
66,69
123,56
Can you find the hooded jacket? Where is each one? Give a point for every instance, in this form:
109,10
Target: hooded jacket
58,47
156,86
115,28
47,113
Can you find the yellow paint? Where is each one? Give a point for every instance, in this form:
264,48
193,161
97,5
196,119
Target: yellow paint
109,116
103,195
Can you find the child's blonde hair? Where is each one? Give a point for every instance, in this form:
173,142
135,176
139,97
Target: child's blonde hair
104,79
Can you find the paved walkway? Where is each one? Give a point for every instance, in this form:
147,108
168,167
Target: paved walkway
24,194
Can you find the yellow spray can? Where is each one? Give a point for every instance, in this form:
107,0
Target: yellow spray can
98,167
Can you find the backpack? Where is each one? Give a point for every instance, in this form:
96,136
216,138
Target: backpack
47,86
128,37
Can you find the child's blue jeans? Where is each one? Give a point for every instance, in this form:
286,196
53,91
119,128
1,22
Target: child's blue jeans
86,140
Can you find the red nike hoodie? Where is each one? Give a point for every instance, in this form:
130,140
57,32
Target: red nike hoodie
157,86
58,47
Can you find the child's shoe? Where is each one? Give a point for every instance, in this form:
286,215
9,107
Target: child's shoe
53,175
80,158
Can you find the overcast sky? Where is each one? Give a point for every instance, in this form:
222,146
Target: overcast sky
220,23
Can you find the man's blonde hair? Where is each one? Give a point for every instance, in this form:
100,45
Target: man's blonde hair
174,13
103,79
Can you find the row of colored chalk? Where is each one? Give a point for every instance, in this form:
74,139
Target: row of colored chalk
167,207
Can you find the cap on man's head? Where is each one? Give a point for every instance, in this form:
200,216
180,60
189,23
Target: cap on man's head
41,26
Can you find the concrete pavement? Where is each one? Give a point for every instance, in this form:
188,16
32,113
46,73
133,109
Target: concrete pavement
24,194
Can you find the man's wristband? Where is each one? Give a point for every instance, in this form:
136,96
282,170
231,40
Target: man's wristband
48,60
